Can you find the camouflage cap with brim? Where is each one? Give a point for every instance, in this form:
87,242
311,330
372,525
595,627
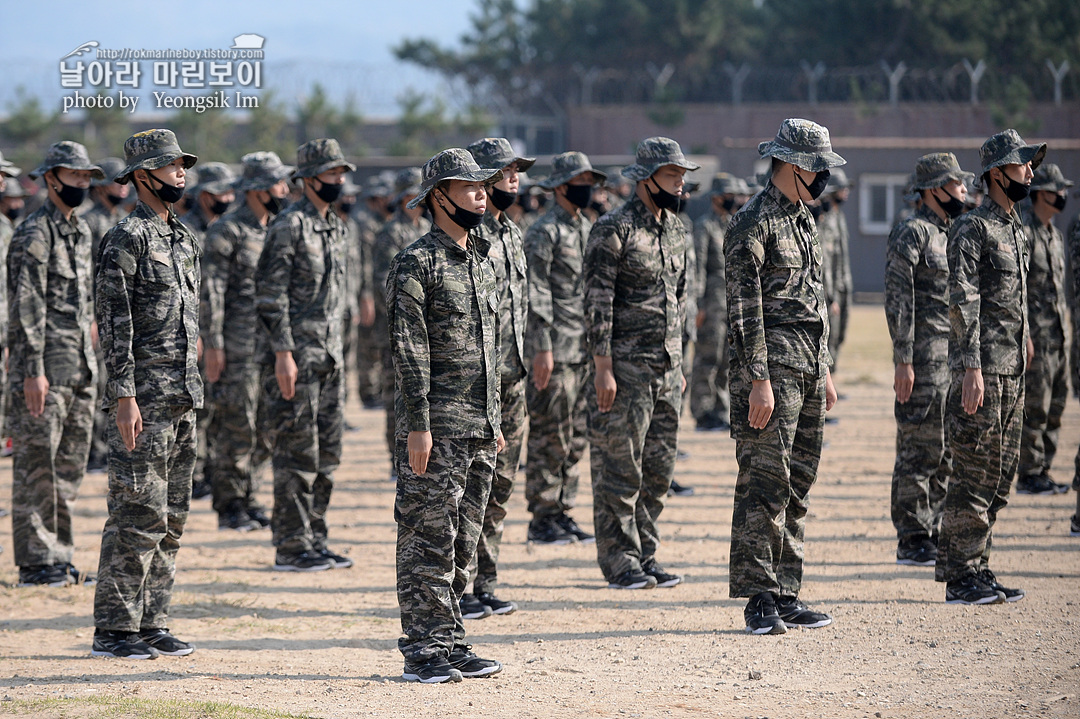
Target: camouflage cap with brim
724,183
1008,148
350,188
568,165
315,157
216,178
111,166
838,180
1049,178
495,153
691,186
151,150
654,153
9,168
262,170
377,186
67,154
804,144
911,195
936,170
407,183
14,189
453,164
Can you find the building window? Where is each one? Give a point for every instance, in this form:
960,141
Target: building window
881,197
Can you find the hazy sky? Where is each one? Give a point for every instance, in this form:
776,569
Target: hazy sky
343,45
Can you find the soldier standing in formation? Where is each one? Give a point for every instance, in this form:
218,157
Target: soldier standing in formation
780,381
442,306
833,238
7,230
635,294
370,217
988,350
1074,263
555,340
917,310
148,322
52,368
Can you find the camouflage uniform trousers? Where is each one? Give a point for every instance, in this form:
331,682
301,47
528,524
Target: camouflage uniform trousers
632,458
709,376
348,345
149,497
923,457
389,387
514,414
99,439
305,433
838,322
205,422
48,464
986,452
777,467
557,439
1046,388
368,365
232,445
439,516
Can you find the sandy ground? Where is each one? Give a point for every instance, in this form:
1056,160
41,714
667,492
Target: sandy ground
325,644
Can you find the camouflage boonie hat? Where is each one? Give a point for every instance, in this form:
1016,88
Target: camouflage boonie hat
378,186
755,183
654,153
8,168
452,164
315,157
724,183
215,178
937,169
495,153
691,186
567,166
1008,148
804,144
1048,178
262,170
150,150
911,195
14,189
68,154
407,182
111,166
838,180
350,188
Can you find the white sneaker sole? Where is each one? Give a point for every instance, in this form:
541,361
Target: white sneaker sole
110,655
409,677
291,568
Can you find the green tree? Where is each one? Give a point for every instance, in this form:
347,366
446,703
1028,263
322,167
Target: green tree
206,134
105,131
29,128
268,128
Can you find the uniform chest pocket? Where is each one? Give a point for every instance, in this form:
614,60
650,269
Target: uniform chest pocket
935,257
454,299
158,268
785,253
61,264
1003,261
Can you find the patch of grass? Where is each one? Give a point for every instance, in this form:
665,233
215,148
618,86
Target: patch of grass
128,708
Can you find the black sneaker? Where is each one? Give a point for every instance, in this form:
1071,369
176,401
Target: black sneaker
1074,526
303,562
633,579
796,614
663,579
712,423
473,608
1039,484
916,552
678,490
50,575
761,615
470,665
336,561
258,515
496,605
1011,595
235,517
201,489
545,530
123,645
568,525
970,589
78,577
433,671
166,643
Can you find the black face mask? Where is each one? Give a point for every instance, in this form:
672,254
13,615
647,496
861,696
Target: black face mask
501,199
219,207
328,193
816,210
662,198
347,207
837,200
826,205
815,188
681,205
1015,191
274,205
579,195
953,207
169,194
465,219
69,195
1058,202
729,205
114,200
13,213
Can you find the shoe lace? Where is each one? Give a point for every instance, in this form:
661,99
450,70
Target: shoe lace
988,576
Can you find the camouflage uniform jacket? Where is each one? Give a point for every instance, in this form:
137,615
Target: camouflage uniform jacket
511,279
776,301
50,291
228,317
987,286
1046,284
555,253
369,228
100,221
196,222
694,286
635,285
148,311
833,238
7,231
398,233
917,289
300,285
709,246
442,307
353,267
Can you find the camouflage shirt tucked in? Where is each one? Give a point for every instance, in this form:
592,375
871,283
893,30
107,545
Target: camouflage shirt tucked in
398,233
917,289
776,300
229,320
987,286
508,259
709,248
635,285
555,252
300,285
442,307
50,290
148,311
1046,284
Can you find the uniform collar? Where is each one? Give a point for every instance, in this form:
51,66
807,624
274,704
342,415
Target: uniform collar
475,241
925,213
63,225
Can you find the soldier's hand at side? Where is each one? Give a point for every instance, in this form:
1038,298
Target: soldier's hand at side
1030,350
699,321
198,349
420,450
903,382
542,365
606,386
35,390
94,338
215,363
285,371
367,311
761,403
830,391
972,395
500,443
128,421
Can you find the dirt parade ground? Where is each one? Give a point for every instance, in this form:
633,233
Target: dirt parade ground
324,644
